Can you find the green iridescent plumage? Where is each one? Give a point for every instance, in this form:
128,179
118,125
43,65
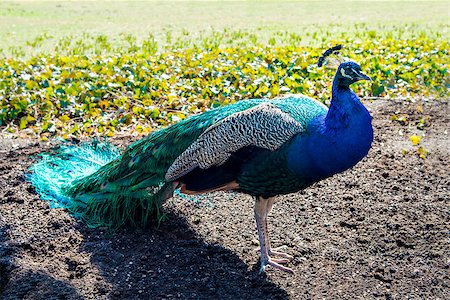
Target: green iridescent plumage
130,188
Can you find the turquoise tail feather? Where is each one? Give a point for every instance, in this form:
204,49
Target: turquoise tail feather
56,171
92,181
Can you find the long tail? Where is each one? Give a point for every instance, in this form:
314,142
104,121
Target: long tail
82,178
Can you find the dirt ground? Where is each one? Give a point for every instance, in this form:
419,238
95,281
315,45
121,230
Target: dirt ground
378,231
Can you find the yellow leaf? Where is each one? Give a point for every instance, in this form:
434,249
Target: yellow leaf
136,110
423,153
103,104
23,123
64,118
275,90
64,59
415,139
147,130
30,84
74,128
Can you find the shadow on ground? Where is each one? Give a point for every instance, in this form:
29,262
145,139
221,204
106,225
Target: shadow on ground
17,283
172,262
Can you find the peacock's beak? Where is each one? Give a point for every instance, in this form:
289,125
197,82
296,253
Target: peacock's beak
362,76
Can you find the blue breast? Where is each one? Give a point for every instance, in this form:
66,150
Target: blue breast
332,143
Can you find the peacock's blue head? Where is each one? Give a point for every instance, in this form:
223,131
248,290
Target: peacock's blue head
349,72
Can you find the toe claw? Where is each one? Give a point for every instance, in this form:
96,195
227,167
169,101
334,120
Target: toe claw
280,267
280,254
280,247
275,252
280,260
275,263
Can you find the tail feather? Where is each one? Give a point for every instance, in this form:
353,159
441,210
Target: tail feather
56,171
89,180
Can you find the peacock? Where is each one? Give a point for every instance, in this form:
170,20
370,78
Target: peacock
260,147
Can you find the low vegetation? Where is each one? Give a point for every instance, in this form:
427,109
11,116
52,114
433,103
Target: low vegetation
74,94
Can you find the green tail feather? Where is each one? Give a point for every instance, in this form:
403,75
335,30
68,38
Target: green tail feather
80,178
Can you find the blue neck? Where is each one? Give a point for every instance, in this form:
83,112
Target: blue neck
343,100
336,141
338,89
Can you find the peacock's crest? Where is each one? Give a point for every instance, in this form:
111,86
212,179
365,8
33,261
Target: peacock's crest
330,56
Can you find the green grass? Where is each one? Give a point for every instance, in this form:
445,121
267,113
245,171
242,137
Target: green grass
31,27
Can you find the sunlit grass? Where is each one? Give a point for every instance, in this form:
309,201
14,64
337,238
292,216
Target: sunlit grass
31,27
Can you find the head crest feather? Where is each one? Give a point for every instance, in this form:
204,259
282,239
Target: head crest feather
332,50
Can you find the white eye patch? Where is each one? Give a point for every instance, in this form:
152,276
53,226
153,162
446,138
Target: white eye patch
344,74
356,72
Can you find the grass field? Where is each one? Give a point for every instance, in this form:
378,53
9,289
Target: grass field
30,27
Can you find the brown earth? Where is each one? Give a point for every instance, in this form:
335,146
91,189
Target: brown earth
378,231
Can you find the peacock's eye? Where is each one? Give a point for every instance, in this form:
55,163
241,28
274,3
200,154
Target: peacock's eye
344,74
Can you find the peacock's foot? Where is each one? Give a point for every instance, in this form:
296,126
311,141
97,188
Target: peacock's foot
275,263
276,252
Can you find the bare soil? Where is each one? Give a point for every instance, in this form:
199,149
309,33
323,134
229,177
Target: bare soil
378,231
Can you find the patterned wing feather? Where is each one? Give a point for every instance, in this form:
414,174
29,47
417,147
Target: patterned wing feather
263,125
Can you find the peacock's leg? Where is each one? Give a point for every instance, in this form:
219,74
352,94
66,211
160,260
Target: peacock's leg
166,192
261,224
274,251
